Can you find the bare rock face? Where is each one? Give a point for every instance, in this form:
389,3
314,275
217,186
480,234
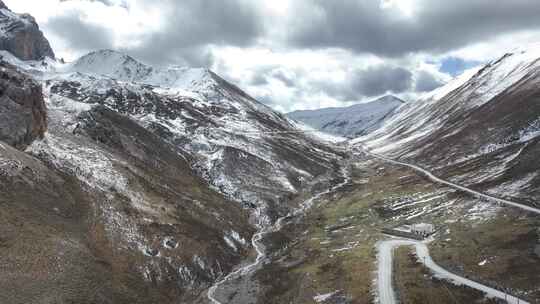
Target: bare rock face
21,36
23,116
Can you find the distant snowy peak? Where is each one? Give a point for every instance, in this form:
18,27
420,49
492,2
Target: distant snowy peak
172,82
350,121
123,67
111,64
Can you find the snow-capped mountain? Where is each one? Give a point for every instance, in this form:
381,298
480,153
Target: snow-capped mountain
20,35
122,67
483,126
105,203
151,181
203,116
353,121
126,183
173,165
111,64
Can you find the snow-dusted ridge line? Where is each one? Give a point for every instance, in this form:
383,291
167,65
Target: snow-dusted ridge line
384,274
278,225
439,180
360,118
444,108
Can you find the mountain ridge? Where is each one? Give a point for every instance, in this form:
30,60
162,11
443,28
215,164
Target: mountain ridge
441,129
350,121
167,175
134,184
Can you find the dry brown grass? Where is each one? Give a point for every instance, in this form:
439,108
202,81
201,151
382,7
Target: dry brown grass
416,285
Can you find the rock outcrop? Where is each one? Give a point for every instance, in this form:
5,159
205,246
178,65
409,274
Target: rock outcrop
21,36
23,116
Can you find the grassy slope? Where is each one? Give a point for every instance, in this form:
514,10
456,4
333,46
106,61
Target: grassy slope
417,286
310,262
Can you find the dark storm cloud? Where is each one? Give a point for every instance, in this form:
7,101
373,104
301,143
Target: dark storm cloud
379,80
374,81
80,35
192,25
426,82
263,75
286,78
359,85
259,80
436,26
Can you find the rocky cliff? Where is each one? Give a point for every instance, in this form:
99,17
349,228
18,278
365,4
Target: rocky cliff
21,36
23,116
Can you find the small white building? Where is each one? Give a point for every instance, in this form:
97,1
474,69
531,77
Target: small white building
422,229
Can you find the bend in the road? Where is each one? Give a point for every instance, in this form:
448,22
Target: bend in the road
384,275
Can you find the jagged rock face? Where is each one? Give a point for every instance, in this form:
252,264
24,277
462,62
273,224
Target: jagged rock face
23,116
21,36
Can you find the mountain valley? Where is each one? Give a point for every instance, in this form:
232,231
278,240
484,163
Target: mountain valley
123,182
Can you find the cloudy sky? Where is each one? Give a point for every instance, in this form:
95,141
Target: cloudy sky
298,54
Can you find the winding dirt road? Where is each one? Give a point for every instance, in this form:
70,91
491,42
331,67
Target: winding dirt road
386,248
439,180
384,275
386,291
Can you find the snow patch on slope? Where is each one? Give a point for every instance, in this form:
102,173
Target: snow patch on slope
350,121
417,120
418,126
514,187
322,136
122,67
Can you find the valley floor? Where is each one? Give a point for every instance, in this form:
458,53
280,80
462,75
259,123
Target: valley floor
330,256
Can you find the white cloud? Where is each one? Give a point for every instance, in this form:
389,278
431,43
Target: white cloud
291,80
484,51
406,7
288,77
125,24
